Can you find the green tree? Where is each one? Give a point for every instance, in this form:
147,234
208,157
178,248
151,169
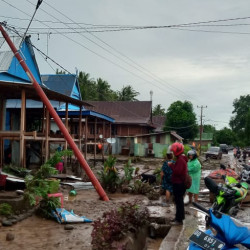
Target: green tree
182,119
127,93
247,129
241,108
238,122
60,72
87,86
209,128
225,136
159,110
104,91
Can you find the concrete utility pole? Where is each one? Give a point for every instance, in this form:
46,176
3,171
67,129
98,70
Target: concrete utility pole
201,130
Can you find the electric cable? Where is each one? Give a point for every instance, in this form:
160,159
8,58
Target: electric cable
144,71
37,6
103,57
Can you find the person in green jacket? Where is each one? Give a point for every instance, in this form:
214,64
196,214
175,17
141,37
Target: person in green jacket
194,170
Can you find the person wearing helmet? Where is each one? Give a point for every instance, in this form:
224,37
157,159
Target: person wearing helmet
166,175
179,173
194,170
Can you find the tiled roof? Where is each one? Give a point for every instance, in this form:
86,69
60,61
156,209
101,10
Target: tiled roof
134,112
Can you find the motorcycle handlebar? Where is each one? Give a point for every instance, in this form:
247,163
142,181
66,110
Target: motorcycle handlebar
201,208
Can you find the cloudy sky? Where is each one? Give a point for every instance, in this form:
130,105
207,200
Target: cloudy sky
206,63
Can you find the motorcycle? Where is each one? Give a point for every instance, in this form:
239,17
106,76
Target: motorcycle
230,232
245,173
227,196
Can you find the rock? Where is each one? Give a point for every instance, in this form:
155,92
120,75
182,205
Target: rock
68,227
10,236
7,223
13,221
20,192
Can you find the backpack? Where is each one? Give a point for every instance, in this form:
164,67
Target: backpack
188,181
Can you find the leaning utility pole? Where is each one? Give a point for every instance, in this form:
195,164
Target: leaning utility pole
201,130
57,119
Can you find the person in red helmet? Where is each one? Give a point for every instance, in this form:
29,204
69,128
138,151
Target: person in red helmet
179,169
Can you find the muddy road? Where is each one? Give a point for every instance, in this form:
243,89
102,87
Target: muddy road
37,233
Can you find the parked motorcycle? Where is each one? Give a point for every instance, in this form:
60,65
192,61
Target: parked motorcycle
227,196
245,173
230,232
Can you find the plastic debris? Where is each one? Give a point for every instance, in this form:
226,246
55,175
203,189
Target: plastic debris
64,216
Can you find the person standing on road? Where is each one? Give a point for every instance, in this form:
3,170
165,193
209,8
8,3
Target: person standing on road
194,170
166,175
179,169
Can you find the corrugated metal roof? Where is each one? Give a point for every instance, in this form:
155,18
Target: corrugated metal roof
5,60
205,137
6,54
125,112
76,113
11,66
63,84
13,91
16,103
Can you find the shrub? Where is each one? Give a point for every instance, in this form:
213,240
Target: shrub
128,173
139,187
115,224
109,175
47,205
6,209
39,185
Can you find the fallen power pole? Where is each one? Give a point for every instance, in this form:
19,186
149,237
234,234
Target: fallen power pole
57,119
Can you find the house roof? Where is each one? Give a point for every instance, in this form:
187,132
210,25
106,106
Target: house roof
173,133
125,112
13,91
76,113
65,84
10,68
205,137
159,122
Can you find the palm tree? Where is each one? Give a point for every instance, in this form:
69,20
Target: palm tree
104,91
127,94
158,110
87,86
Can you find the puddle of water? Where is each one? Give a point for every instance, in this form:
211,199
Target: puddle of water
205,190
159,211
201,221
205,173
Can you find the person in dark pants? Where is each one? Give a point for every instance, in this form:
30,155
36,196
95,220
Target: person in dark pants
179,169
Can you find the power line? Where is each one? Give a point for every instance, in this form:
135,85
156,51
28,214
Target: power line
144,71
189,126
45,57
213,31
199,23
105,58
37,6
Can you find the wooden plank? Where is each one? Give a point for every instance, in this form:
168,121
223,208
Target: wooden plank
67,127
22,128
86,137
103,136
80,129
47,128
95,143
